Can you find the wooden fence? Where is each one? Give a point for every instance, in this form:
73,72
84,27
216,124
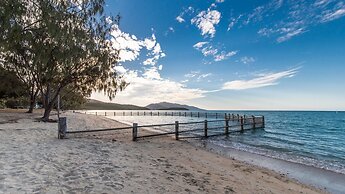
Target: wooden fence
195,114
200,129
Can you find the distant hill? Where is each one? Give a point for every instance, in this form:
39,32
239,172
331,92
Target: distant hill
172,106
99,105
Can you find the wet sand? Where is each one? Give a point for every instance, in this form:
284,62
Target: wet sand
32,159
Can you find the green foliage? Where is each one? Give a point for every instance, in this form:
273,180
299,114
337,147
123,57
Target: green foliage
17,102
2,103
10,85
55,44
72,99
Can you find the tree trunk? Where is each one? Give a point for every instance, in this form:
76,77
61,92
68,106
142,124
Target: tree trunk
33,97
47,111
49,104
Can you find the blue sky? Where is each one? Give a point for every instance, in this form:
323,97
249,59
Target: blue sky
232,54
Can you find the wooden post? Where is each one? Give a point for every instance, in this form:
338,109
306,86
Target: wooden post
216,115
226,126
62,127
185,114
206,115
176,130
238,117
253,121
151,113
205,129
144,113
135,131
198,114
242,127
96,113
105,113
263,121
114,114
123,113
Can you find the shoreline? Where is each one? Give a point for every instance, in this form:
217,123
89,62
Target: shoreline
34,160
317,177
320,178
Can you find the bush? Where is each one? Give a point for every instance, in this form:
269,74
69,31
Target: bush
2,103
17,102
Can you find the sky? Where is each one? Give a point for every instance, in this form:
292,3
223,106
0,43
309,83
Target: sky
231,54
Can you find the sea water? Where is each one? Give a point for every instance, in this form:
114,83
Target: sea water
307,137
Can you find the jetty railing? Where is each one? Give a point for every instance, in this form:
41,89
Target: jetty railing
184,130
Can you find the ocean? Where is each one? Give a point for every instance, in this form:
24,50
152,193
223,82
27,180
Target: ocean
307,137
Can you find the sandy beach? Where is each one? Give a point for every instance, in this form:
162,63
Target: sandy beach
33,160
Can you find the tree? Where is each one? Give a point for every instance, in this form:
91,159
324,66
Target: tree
59,44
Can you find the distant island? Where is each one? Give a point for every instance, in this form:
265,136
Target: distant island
92,104
172,106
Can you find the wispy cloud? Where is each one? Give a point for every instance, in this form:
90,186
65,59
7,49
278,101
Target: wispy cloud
208,50
299,18
180,17
206,22
196,76
262,80
247,60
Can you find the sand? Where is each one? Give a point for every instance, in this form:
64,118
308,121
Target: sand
33,160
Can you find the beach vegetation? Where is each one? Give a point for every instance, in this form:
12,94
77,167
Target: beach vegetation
53,45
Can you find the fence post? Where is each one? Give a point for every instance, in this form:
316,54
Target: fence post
105,113
151,113
135,131
176,130
62,127
198,114
205,129
242,122
216,115
206,115
96,113
253,122
114,113
263,121
226,126
238,117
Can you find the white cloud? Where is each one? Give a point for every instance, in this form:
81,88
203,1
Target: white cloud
199,45
196,76
206,21
300,16
180,19
145,86
208,50
247,60
130,47
223,55
146,89
333,15
288,34
262,80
